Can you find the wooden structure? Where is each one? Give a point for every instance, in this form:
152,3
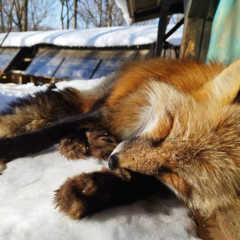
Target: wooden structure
198,16
48,63
15,60
140,10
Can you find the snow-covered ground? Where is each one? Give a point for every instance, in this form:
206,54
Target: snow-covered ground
27,209
94,37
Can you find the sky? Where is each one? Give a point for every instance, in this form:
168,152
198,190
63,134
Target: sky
53,20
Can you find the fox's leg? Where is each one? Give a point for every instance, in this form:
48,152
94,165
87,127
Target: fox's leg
36,141
74,146
88,142
90,192
32,113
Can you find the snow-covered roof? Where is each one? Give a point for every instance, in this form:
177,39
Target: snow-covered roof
94,37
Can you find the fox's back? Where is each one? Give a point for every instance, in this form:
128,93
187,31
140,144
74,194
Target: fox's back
128,100
186,75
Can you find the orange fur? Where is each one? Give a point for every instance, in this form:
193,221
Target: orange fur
186,75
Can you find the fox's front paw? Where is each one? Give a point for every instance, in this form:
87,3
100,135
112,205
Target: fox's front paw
90,192
96,143
76,196
73,148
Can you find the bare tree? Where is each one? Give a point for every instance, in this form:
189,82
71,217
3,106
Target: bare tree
66,13
99,13
7,10
2,17
20,17
90,13
24,15
75,6
38,13
10,24
61,14
16,12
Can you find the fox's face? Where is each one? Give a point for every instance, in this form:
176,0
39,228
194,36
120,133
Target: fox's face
194,147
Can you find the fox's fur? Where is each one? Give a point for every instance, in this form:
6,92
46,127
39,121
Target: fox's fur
168,120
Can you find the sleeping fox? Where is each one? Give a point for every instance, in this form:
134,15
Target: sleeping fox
157,121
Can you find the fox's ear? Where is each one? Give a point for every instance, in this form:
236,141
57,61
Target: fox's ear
224,87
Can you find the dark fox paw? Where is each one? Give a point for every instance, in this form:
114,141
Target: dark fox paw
90,192
81,196
72,196
97,143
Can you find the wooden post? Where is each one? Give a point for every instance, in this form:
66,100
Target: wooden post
20,79
197,29
162,25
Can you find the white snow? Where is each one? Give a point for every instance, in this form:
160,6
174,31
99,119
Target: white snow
27,189
94,37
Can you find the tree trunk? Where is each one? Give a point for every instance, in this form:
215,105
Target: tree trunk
2,18
110,12
68,14
25,15
75,14
107,12
61,15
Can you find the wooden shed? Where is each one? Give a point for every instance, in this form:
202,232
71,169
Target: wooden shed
48,63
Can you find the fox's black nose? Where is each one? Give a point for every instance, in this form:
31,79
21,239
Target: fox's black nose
113,161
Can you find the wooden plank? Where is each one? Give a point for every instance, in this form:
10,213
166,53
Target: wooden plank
198,8
197,30
143,5
145,10
162,25
205,40
207,27
191,38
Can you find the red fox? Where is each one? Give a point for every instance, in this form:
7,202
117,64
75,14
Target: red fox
159,121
